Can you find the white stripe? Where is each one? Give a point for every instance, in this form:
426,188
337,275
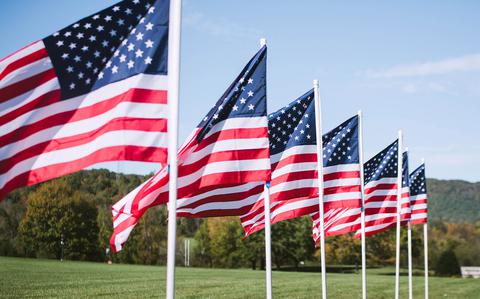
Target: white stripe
115,138
294,167
126,201
418,197
224,167
292,185
123,109
379,216
419,216
295,205
226,145
422,206
377,227
381,192
94,97
20,54
381,204
342,182
122,237
342,196
26,71
29,96
341,168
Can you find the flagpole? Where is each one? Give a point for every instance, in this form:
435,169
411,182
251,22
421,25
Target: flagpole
318,130
268,244
409,245
425,248
173,99
399,198
362,182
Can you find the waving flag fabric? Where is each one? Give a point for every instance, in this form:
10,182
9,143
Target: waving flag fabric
405,211
224,164
381,191
418,195
294,186
94,91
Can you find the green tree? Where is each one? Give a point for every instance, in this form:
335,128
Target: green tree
447,264
56,211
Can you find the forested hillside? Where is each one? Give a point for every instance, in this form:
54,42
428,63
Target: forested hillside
77,210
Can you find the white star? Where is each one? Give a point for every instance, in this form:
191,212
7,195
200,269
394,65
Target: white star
151,9
139,36
149,43
60,43
148,60
250,93
68,33
96,17
80,35
96,54
100,75
242,80
113,32
88,64
130,64
77,58
138,53
123,58
235,108
128,11
251,107
215,116
72,46
130,47
87,81
308,136
85,48
116,8
72,86
250,81
114,69
120,22
149,26
108,18
69,69
80,75
242,101
92,38
100,28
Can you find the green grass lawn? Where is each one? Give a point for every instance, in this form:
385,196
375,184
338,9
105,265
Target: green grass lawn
21,278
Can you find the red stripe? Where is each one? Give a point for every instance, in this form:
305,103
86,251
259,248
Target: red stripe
132,220
294,176
300,193
42,101
419,221
132,95
341,175
374,211
20,50
298,158
341,189
118,124
21,87
117,153
14,65
216,213
381,198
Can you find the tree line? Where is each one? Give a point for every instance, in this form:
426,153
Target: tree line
70,217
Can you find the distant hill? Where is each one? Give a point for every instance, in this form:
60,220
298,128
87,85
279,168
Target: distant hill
453,200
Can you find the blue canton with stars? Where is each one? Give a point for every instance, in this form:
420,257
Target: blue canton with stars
418,182
383,165
294,125
405,176
245,97
126,39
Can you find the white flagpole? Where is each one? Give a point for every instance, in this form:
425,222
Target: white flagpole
173,99
425,255
268,244
409,245
318,131
410,287
362,182
399,198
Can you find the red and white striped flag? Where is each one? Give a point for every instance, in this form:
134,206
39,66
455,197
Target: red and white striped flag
418,195
405,209
222,166
89,93
381,191
294,186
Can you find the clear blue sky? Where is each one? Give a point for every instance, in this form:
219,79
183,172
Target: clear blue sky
408,65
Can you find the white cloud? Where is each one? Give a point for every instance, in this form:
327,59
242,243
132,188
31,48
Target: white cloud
457,64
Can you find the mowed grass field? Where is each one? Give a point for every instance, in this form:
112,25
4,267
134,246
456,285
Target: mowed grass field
20,278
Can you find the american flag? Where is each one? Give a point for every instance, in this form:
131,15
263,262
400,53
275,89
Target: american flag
224,164
405,211
92,92
294,186
380,174
418,195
